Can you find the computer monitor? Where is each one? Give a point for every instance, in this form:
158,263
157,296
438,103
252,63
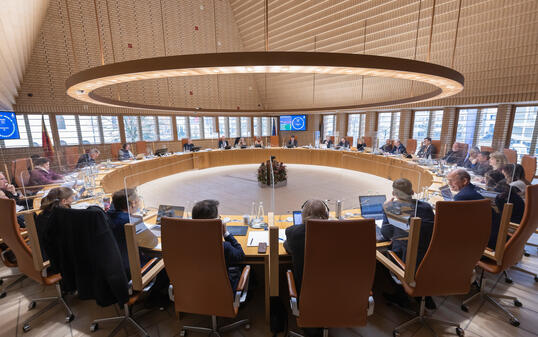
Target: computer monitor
161,152
372,206
170,212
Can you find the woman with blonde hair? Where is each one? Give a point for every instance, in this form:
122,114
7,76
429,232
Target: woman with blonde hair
497,160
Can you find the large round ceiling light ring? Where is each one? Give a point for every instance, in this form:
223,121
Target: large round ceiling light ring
82,85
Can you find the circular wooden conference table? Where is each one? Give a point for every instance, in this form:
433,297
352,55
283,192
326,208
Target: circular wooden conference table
136,173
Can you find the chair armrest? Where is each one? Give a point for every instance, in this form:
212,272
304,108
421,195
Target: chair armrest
242,287
148,265
396,259
293,293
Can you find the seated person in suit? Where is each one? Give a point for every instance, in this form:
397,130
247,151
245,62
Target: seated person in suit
455,155
125,152
361,144
427,150
398,148
295,236
403,205
459,181
88,159
188,146
497,160
233,252
57,197
482,166
343,142
472,160
42,174
118,214
223,143
327,141
387,148
515,176
258,142
292,142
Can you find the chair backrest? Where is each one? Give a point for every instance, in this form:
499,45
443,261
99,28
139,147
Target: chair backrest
411,146
463,147
437,145
10,233
460,235
487,148
511,155
114,150
515,245
196,267
368,141
141,147
529,165
338,273
350,141
71,154
19,171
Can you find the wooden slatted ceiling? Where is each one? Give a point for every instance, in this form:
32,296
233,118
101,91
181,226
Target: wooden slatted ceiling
496,50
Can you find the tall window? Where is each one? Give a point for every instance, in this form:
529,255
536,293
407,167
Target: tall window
111,130
23,133
436,124
395,126
355,125
165,128
67,129
149,128
384,125
475,126
196,130
525,131
223,126
210,131
132,131
182,124
245,126
329,122
266,126
34,122
89,129
256,126
421,124
234,129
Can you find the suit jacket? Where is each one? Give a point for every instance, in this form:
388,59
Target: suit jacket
468,193
482,168
360,147
399,150
329,143
292,143
188,147
426,151
125,154
85,160
233,254
41,177
344,144
386,148
468,165
454,157
294,245
223,143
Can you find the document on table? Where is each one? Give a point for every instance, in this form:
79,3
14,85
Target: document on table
256,237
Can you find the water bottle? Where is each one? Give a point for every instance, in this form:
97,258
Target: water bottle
260,212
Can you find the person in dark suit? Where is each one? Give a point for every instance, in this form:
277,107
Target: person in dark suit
292,142
223,143
459,181
88,159
398,148
483,165
343,143
327,141
361,144
295,236
455,155
125,152
387,147
427,150
472,160
188,146
233,252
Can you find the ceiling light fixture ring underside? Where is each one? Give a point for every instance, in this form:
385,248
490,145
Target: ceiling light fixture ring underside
82,85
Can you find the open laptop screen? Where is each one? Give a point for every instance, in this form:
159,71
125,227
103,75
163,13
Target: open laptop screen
170,212
372,206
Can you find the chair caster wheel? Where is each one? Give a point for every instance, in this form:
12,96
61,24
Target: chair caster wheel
31,305
70,318
182,333
508,280
3,294
526,254
517,303
464,308
536,279
460,332
514,322
94,327
26,327
395,333
1,281
247,327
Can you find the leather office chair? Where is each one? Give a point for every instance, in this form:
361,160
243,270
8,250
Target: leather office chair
71,154
447,268
511,155
368,141
487,148
529,165
141,147
437,145
207,290
10,233
114,150
411,146
19,171
513,251
337,280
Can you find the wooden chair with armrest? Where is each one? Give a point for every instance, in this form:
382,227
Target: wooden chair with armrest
438,150
511,155
114,150
512,253
29,259
207,290
529,165
487,148
20,171
368,141
447,268
337,280
411,146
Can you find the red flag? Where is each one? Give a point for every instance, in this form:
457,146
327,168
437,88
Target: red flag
48,150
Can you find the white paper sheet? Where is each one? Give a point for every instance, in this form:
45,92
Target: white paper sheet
256,237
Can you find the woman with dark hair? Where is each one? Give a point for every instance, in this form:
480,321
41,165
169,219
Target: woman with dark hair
125,152
42,174
515,176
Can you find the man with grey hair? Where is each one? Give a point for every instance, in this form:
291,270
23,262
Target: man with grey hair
398,148
295,236
459,181
88,159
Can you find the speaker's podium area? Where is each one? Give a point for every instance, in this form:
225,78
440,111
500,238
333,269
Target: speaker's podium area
268,168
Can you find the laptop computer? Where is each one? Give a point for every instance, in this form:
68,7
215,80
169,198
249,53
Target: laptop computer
161,152
372,206
167,211
297,218
446,193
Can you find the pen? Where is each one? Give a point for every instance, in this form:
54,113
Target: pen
251,241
